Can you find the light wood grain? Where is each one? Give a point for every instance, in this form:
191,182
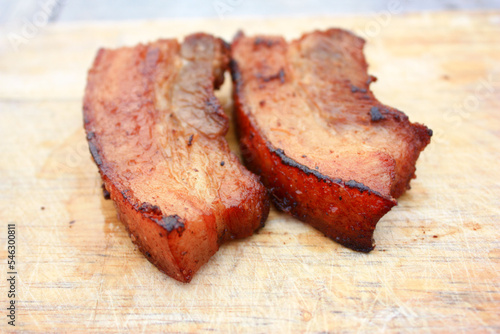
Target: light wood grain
436,264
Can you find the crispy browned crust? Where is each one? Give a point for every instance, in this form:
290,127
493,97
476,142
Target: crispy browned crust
156,132
331,154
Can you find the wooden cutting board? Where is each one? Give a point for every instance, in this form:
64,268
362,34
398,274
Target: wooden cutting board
437,260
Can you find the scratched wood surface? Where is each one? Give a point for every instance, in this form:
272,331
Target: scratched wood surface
437,260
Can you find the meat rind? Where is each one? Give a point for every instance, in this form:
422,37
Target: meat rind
156,132
331,154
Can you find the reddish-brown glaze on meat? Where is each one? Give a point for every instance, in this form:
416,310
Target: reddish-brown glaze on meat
331,154
156,132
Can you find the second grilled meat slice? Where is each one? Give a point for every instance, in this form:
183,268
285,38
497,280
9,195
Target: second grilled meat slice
330,153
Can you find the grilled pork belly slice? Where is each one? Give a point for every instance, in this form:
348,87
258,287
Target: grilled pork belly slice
156,132
331,154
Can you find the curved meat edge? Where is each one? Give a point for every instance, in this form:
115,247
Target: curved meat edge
177,230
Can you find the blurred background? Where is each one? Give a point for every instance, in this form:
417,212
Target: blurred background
21,21
12,13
